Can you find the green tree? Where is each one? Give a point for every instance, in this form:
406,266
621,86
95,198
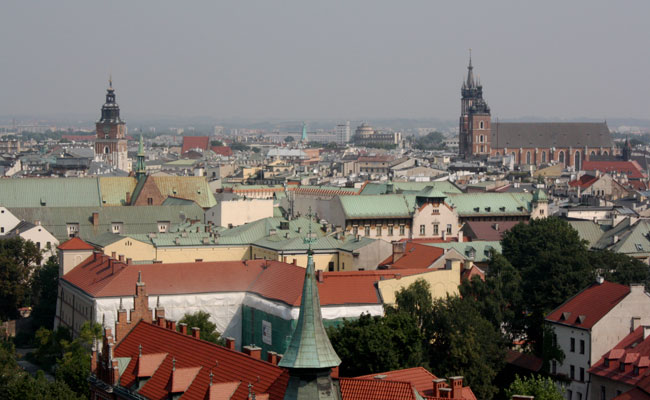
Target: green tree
374,344
619,268
216,143
17,261
289,139
464,343
431,141
417,302
538,386
201,320
554,264
237,146
45,281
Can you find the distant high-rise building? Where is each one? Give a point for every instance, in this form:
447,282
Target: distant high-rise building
343,133
111,143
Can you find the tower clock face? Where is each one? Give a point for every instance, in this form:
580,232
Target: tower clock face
106,128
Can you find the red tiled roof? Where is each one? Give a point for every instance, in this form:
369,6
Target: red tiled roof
270,279
182,378
584,182
630,168
488,230
472,272
149,363
419,378
195,142
633,351
590,305
375,389
633,394
223,150
415,256
75,244
223,391
524,360
194,359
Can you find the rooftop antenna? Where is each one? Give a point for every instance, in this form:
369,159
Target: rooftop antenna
110,80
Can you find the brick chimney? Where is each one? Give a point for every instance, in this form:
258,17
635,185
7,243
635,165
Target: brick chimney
121,257
183,327
230,343
253,351
319,276
196,332
437,385
95,219
399,248
272,357
160,321
113,255
456,383
171,325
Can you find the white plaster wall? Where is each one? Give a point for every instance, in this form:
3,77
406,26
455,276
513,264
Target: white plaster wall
239,212
8,221
40,235
611,388
564,335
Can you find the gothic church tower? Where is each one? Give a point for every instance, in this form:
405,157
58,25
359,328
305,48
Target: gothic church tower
474,133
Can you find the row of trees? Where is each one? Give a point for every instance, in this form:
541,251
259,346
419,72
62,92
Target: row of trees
543,263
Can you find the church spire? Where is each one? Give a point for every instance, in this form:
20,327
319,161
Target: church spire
470,74
304,132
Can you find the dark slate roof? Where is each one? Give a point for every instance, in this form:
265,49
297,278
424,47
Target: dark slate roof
550,134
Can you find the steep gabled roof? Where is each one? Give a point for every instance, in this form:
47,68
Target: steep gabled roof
587,307
415,256
75,244
630,168
194,360
515,135
584,181
633,350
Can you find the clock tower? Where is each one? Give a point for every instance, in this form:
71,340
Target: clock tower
111,143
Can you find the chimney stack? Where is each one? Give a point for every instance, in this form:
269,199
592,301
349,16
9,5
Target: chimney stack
113,255
456,387
121,257
196,332
129,261
437,385
253,351
399,248
183,327
95,219
272,357
171,325
230,343
319,276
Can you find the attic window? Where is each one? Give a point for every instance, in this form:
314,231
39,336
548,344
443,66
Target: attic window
502,208
581,318
639,246
565,316
477,209
487,209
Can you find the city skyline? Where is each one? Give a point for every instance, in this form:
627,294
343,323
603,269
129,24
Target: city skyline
326,61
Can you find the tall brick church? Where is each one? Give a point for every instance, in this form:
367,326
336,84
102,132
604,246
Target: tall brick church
529,143
111,142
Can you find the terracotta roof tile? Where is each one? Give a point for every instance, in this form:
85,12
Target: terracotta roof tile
415,256
630,168
75,244
149,363
524,360
222,150
633,394
195,142
487,230
222,391
375,389
593,303
584,182
182,378
197,355
634,351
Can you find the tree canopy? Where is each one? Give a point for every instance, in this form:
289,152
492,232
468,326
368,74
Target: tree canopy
201,320
44,290
431,141
18,258
289,139
542,388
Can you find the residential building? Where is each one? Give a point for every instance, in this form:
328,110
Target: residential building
37,234
592,322
7,221
238,211
343,133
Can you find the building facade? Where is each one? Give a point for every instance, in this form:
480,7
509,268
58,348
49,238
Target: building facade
111,142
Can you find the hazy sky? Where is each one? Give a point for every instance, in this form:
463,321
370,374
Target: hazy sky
325,59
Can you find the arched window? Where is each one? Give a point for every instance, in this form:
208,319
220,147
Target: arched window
560,157
543,156
481,125
593,153
605,153
480,139
577,161
514,157
528,157
106,150
498,154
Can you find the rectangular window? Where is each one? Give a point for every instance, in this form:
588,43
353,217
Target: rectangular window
73,229
367,232
436,232
569,394
2,229
448,229
573,345
149,201
554,367
572,372
378,229
579,395
390,230
401,230
117,227
330,266
422,230
355,230
582,374
582,346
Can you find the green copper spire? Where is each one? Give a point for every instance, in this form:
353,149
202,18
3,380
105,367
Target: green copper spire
140,168
310,347
304,132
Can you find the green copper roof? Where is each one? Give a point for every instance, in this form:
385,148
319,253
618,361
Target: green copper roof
539,195
310,347
408,187
377,206
468,204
